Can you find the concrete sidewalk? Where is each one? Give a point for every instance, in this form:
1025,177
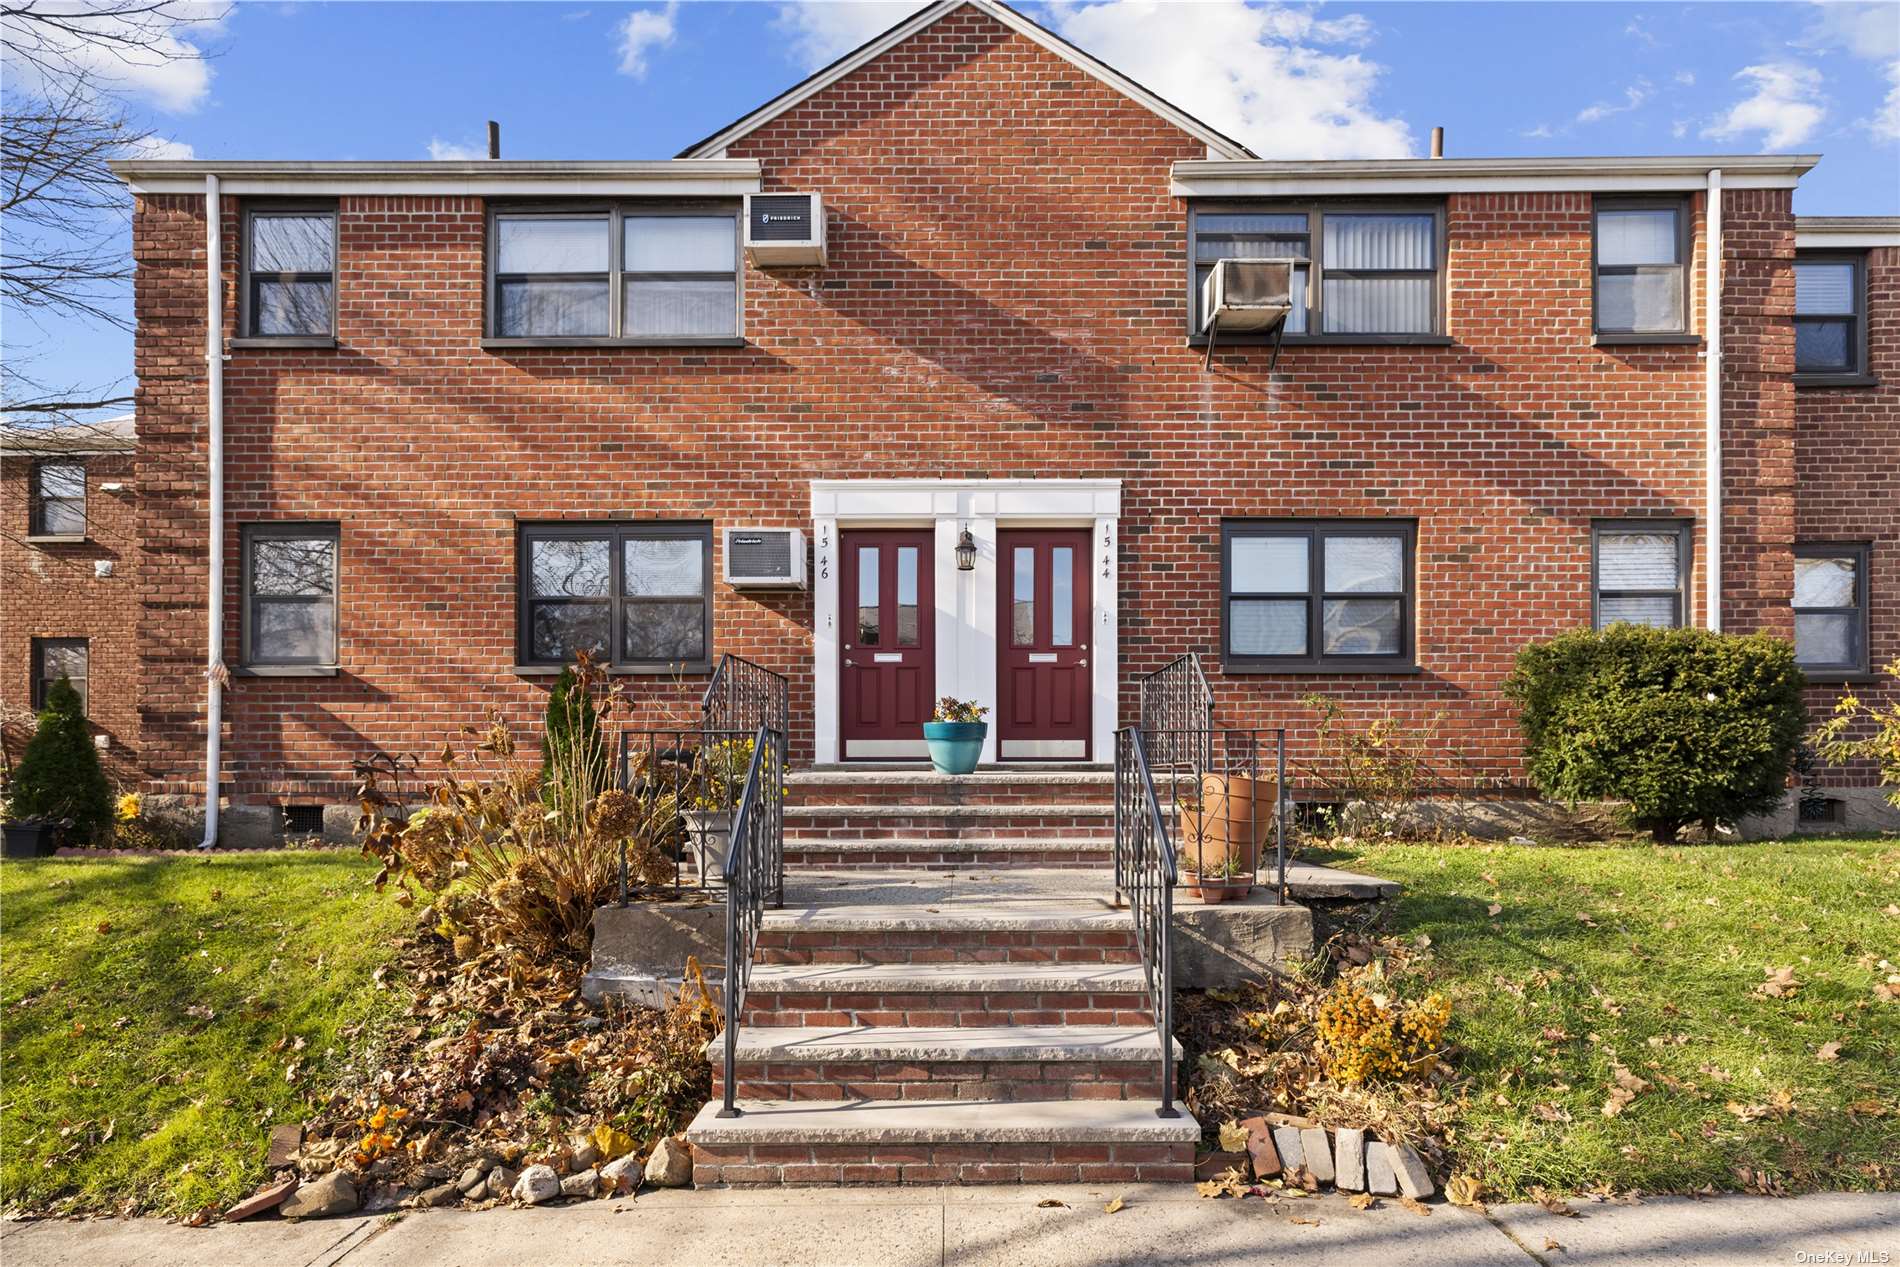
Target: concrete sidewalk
1002,1225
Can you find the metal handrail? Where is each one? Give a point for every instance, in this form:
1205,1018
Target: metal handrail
1144,854
748,697
1177,706
754,858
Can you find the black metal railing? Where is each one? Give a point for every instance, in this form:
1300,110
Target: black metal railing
754,865
1145,876
745,696
1177,709
688,783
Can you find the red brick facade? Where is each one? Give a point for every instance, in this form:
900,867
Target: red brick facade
1005,297
53,590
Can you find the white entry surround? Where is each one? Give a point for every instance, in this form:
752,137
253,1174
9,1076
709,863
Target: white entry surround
966,601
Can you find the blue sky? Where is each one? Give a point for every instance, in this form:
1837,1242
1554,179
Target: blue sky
596,80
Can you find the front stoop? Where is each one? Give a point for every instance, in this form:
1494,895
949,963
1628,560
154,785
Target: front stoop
935,1142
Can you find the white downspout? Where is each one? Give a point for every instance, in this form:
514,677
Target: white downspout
1712,403
214,388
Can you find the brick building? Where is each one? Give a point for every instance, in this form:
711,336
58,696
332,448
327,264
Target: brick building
476,415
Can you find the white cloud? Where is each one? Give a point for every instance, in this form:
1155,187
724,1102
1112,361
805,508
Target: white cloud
1542,132
1870,31
455,151
1679,128
1271,76
160,57
1637,30
642,31
1686,78
1633,96
160,147
1885,123
823,32
1784,106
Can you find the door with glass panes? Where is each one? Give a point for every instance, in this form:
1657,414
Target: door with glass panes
888,626
1043,683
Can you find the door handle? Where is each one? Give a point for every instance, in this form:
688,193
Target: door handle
850,664
1083,663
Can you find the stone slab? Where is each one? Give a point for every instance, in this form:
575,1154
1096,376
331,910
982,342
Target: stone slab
1415,1180
940,1122
1349,1159
1260,1149
800,1044
656,938
1318,1153
796,813
947,978
1286,1142
1381,1176
1232,943
1308,880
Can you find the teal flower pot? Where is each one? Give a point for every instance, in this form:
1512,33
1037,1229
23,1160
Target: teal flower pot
955,745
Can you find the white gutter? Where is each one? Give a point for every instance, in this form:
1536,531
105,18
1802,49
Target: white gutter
1712,402
214,614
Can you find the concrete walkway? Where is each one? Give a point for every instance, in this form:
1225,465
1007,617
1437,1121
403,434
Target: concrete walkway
1003,1225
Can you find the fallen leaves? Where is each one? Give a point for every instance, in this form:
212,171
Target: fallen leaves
1628,1087
1362,1201
1828,1052
1050,1203
1780,983
1553,1205
1117,1204
1464,1190
1416,1207
1233,1137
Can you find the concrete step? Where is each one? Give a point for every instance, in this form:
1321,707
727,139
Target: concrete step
947,994
774,1143
832,821
891,918
960,852
887,788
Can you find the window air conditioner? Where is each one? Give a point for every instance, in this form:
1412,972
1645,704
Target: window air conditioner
1247,294
765,558
785,230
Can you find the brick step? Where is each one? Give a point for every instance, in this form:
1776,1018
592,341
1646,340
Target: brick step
834,822
1002,1063
776,1143
889,788
1050,930
947,994
960,852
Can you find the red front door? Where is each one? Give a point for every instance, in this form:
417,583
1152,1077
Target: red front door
1043,604
887,624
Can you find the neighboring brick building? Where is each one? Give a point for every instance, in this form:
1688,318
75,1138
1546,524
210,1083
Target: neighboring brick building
69,591
447,383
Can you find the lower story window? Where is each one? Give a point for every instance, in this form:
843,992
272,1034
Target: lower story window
56,658
633,595
290,594
1306,594
1830,607
1641,568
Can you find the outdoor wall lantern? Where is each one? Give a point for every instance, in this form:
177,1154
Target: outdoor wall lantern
966,552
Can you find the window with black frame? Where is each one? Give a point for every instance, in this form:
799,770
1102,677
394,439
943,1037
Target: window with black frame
290,595
56,505
1830,607
1379,270
1641,570
1830,306
56,658
636,596
1334,595
632,274
1642,275
290,273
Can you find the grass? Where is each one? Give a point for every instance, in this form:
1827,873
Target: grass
1652,960
161,1015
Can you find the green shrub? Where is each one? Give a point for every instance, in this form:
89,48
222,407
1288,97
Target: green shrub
59,776
574,758
1684,725
1878,739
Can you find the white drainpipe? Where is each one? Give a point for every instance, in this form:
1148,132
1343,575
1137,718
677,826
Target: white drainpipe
1712,402
214,387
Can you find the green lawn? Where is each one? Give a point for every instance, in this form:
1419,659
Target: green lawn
159,1016
1654,960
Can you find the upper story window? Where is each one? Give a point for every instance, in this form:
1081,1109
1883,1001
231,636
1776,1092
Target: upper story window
631,274
56,658
1642,280
1362,273
1830,317
57,500
1830,607
1641,568
634,595
289,273
1304,595
290,595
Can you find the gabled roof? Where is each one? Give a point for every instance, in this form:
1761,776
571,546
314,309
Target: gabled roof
1219,144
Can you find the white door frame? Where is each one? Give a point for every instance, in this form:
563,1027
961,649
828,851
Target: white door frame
966,601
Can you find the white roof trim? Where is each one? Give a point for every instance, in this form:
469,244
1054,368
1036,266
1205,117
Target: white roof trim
1258,178
1846,232
1217,143
474,178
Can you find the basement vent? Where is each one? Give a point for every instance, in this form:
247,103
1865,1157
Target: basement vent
1819,809
303,820
765,558
785,230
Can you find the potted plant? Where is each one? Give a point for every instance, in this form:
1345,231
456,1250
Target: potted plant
1216,880
954,734
58,791
1227,814
717,784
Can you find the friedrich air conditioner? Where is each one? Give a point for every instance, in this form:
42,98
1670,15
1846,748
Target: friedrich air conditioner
1247,294
785,230
765,558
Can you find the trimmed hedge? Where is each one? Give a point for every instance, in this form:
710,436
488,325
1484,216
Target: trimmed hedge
1684,725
